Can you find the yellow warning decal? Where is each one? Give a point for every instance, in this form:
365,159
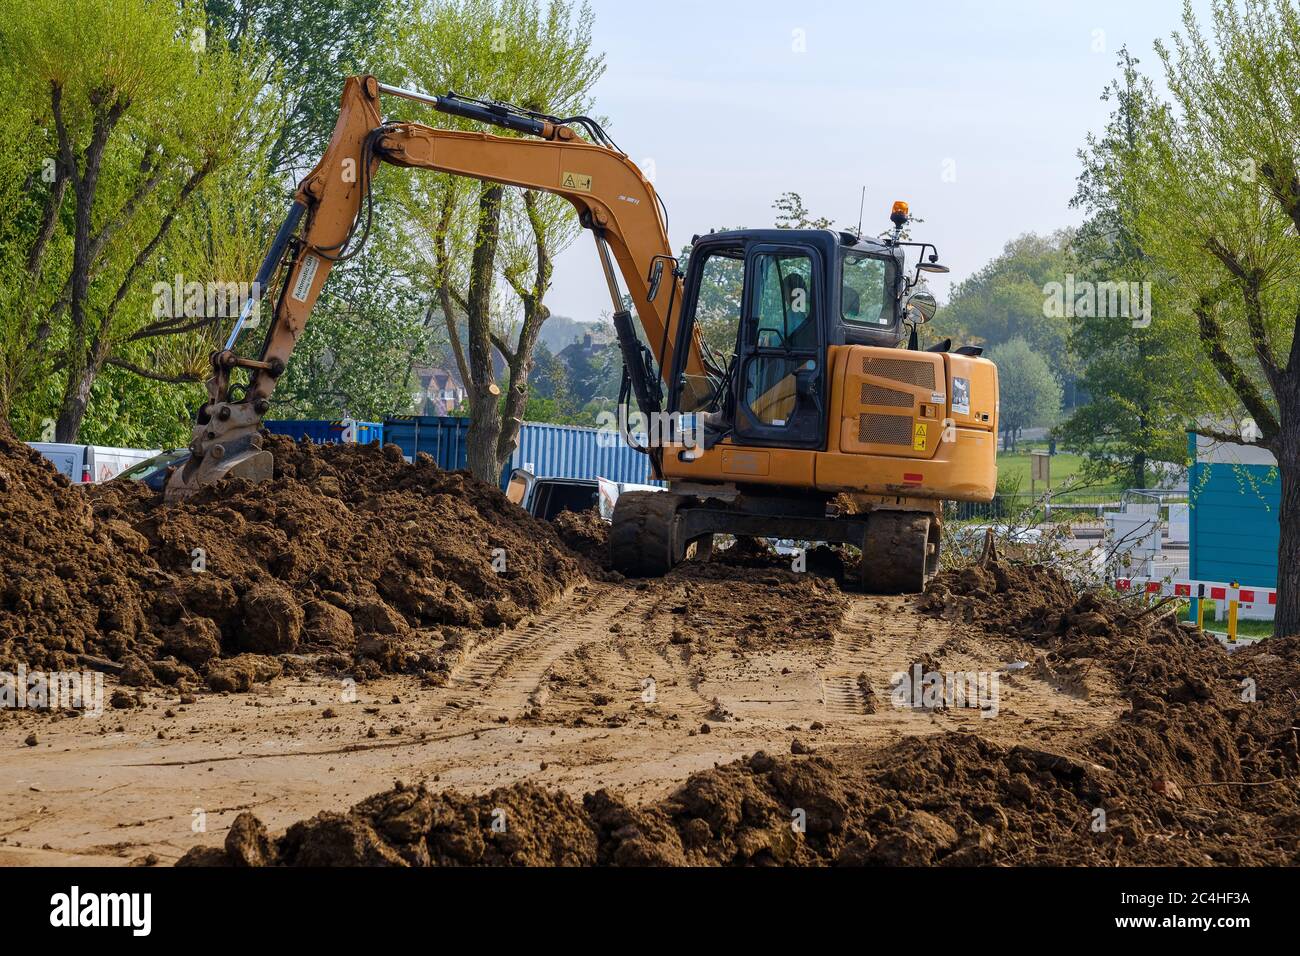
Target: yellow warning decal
919,435
579,181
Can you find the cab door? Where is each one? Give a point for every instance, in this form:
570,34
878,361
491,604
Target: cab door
781,388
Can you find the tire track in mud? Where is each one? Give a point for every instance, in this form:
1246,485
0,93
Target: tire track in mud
842,692
878,637
505,674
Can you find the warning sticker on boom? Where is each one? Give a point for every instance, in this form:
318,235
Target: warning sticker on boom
306,274
919,434
579,181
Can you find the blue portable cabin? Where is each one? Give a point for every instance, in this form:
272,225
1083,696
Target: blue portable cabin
1235,493
548,451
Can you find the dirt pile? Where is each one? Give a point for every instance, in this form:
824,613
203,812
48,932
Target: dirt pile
64,593
752,605
1201,771
520,825
585,533
349,554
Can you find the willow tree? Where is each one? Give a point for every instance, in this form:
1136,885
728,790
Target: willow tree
489,250
1135,370
1216,198
130,111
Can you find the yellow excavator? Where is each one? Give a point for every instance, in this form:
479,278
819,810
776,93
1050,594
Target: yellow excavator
781,390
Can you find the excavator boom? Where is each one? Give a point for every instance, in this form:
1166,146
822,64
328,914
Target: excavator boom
611,196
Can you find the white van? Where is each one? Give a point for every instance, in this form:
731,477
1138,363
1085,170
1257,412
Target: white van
84,464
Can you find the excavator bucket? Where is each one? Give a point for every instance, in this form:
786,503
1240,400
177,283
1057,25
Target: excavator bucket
250,462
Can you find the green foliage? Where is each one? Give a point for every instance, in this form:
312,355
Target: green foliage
1005,301
1211,190
133,115
312,49
791,213
1030,393
1138,376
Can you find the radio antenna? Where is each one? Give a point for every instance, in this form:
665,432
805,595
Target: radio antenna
861,203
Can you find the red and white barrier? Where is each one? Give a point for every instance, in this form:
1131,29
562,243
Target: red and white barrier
1213,590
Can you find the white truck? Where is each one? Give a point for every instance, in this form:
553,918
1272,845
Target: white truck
84,464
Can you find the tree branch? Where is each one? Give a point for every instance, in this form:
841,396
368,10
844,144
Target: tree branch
501,346
152,375
176,326
1249,281
1214,342
164,227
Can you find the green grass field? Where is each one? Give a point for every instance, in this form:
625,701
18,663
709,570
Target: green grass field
1244,628
1064,466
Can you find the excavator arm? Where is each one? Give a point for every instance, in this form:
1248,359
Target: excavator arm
610,194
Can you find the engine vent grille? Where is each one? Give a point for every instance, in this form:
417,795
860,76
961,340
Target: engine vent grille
919,374
879,395
885,430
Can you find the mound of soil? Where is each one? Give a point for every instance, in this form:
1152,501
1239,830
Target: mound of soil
1201,771
64,591
585,533
349,553
753,605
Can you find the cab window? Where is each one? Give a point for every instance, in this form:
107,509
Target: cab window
783,302
865,298
717,328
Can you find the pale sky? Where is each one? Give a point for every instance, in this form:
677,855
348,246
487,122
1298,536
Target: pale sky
716,98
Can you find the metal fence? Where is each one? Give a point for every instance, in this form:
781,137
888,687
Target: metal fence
1032,509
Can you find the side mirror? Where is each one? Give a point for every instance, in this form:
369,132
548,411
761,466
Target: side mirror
656,277
519,486
921,306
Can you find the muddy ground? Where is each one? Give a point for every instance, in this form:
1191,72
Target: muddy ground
735,712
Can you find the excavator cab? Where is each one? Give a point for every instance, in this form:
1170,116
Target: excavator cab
766,305
815,415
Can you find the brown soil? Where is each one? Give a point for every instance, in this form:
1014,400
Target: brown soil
1192,775
585,533
349,556
550,712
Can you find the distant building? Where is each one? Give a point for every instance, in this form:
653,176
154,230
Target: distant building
441,391
585,347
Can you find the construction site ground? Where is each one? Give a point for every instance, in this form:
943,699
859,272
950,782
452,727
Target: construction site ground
562,700
369,662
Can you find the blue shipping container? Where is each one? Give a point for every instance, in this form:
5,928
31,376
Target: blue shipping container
1233,521
324,432
548,451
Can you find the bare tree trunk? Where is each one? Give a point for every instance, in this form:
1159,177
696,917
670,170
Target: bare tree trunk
1140,470
1287,448
481,441
76,399
520,358
484,416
